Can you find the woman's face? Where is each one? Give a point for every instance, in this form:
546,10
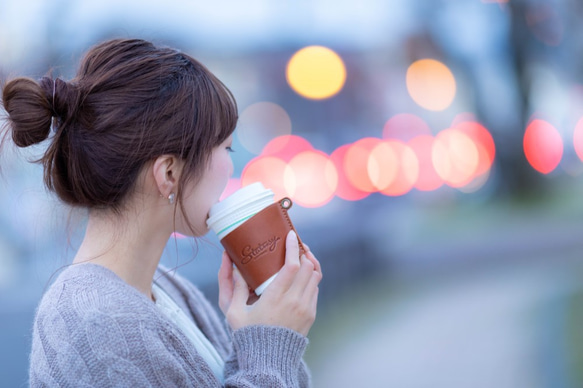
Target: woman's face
199,198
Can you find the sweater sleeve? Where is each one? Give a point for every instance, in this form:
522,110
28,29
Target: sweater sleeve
267,356
255,356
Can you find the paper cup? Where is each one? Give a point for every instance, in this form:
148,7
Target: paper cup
253,230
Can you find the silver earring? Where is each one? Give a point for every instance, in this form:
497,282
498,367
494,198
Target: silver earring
171,198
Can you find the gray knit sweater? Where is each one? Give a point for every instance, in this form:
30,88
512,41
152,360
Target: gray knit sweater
93,329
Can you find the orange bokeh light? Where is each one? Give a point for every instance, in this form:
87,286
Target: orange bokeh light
316,72
268,170
455,157
428,178
543,146
356,164
311,179
345,189
431,84
578,139
403,172
286,147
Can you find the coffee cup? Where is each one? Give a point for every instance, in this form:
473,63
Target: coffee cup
253,229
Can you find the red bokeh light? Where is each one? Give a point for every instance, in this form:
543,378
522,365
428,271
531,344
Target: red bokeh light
543,146
428,178
345,189
286,147
356,164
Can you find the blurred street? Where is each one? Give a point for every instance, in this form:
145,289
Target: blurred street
487,325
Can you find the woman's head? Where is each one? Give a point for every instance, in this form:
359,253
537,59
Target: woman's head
129,103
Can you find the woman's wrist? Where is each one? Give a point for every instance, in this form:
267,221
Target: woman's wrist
269,347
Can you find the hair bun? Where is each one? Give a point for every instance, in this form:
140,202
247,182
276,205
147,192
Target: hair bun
61,95
29,111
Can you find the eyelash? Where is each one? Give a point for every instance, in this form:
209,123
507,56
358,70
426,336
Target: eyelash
230,149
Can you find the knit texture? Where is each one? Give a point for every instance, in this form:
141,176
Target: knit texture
93,329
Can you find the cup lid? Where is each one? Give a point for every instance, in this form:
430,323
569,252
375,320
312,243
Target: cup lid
240,197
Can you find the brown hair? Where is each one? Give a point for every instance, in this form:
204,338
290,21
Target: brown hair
129,103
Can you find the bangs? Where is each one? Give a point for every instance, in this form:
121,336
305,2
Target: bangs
214,106
226,114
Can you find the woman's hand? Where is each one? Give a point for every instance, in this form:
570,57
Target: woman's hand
289,301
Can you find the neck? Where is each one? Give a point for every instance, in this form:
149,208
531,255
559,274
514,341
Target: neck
130,246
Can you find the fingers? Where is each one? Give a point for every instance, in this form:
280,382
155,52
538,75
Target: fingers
314,261
292,249
311,290
225,278
240,289
286,275
311,257
302,277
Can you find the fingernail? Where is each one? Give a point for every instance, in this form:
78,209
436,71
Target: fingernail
292,234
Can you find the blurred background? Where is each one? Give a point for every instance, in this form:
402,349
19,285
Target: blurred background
433,151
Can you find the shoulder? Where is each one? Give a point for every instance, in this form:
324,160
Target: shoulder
94,326
88,288
89,304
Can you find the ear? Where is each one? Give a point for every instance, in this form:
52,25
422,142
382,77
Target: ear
166,170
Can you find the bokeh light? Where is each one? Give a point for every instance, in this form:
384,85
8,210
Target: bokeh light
316,72
431,84
455,157
383,165
404,127
233,185
286,147
261,122
311,179
268,170
406,168
578,139
356,164
428,178
483,141
345,189
543,146
476,184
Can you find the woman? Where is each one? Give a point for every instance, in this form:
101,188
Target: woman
141,139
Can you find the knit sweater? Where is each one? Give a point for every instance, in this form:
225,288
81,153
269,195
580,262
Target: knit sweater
93,329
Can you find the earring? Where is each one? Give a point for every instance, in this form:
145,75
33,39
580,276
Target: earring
171,198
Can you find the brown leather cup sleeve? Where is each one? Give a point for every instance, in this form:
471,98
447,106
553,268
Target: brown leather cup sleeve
257,246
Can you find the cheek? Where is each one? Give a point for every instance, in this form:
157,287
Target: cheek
226,170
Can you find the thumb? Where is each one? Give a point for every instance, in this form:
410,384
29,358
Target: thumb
240,289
